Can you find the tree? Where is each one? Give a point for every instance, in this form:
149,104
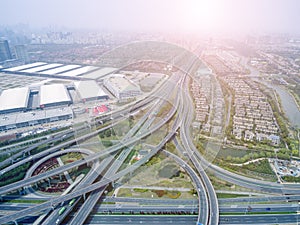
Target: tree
131,119
108,133
229,158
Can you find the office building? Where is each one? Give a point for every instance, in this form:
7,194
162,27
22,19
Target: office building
5,53
21,53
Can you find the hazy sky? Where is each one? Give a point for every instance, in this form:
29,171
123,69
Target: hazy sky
186,15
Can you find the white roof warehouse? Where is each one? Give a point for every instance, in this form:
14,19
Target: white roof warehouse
15,99
54,94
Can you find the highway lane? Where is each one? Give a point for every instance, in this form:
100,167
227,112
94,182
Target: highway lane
264,186
185,219
212,212
24,197
149,201
18,146
191,219
191,208
284,198
11,160
261,219
119,208
148,219
222,201
267,208
116,208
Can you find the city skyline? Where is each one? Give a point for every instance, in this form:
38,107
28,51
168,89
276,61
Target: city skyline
269,16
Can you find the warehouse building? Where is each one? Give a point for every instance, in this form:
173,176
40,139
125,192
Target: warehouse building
121,87
97,74
32,118
14,100
54,95
60,69
79,71
41,68
89,91
23,67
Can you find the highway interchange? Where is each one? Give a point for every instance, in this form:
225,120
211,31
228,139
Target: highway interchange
106,164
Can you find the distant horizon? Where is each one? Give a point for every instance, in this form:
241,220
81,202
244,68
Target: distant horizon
191,16
55,28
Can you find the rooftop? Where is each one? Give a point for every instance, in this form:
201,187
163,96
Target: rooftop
41,68
89,89
60,69
12,119
80,71
122,83
54,93
14,98
23,67
100,73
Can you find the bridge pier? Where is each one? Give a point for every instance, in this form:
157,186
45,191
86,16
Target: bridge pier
49,183
25,190
16,223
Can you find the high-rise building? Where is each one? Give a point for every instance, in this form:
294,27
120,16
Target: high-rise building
5,53
21,53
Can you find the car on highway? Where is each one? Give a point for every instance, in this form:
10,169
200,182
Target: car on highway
61,211
72,202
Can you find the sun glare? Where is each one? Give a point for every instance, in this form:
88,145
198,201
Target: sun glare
204,14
